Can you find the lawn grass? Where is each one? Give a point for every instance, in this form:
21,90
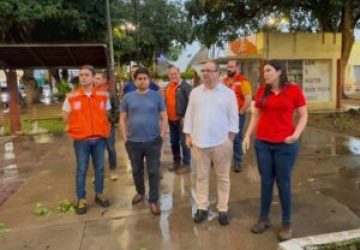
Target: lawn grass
53,126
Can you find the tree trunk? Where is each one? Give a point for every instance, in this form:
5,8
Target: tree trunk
348,39
30,87
153,63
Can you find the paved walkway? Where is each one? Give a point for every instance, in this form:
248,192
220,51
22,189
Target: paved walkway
41,169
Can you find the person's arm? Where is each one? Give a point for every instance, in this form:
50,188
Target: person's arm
250,130
163,124
115,108
123,120
233,117
186,93
247,94
246,105
66,116
187,128
300,126
66,108
123,129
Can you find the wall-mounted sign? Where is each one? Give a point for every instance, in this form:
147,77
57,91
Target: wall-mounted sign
316,80
243,46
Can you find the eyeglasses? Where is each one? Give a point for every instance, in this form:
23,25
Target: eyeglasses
207,71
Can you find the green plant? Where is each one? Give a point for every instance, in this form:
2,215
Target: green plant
3,228
41,210
66,207
188,74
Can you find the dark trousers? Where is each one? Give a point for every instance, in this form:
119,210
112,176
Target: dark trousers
275,163
238,139
178,144
110,145
150,151
83,150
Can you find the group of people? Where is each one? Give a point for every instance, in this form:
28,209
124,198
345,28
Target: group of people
206,123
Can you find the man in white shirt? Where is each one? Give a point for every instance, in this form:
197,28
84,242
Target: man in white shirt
211,123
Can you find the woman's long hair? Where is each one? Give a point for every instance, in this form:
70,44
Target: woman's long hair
277,65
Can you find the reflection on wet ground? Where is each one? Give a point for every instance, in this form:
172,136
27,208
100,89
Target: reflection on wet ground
335,162
326,187
18,161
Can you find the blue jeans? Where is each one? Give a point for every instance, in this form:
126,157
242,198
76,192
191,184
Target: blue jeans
177,141
110,145
238,139
83,150
275,163
138,152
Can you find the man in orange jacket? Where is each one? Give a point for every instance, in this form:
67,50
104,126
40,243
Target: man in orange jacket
85,112
242,88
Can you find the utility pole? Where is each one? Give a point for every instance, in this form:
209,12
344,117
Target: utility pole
111,61
136,12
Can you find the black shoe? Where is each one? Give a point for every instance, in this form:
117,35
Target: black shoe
237,167
102,201
200,215
223,218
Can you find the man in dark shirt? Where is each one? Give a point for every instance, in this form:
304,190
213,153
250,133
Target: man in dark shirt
130,85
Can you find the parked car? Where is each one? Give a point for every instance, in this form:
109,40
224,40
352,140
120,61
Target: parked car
5,97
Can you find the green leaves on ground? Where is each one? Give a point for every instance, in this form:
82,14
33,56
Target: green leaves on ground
66,207
3,228
41,210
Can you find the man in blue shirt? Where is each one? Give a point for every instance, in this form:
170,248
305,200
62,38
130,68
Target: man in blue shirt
143,124
130,85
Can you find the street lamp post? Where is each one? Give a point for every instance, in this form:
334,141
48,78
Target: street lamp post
136,10
111,61
128,27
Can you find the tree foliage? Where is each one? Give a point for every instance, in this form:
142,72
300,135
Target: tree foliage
51,20
161,25
216,20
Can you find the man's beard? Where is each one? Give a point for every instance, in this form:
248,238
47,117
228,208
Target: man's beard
230,73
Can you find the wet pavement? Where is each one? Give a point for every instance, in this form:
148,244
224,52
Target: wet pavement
37,169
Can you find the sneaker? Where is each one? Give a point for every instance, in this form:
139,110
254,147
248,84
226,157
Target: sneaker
113,175
237,167
223,218
81,206
261,226
285,233
101,200
200,215
183,170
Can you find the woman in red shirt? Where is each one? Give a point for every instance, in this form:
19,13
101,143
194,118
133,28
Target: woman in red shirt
276,143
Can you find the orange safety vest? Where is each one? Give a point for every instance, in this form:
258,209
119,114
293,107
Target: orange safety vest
235,83
88,115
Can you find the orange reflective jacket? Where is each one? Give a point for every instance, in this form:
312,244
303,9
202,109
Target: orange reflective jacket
88,115
240,85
